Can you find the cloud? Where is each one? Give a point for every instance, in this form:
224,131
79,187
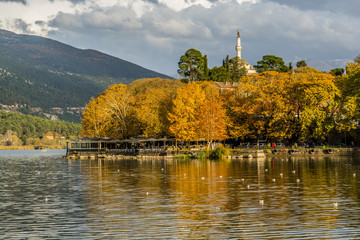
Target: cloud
347,7
114,18
22,25
155,33
15,1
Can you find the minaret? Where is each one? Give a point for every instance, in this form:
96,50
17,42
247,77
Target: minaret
238,45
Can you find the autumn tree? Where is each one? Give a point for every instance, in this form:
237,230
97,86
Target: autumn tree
212,115
110,115
93,120
184,118
198,113
256,107
10,138
313,97
119,109
351,83
153,101
349,106
298,106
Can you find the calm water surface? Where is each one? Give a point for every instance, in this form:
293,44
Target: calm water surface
45,197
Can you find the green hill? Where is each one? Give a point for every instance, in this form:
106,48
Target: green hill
40,75
26,126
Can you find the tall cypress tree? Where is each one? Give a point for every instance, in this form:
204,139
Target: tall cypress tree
206,69
227,63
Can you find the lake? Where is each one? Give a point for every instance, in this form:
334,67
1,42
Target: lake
46,197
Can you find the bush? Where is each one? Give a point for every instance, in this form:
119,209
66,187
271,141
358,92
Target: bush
219,153
202,155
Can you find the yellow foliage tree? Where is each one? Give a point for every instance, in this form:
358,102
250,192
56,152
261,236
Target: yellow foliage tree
184,118
151,112
212,115
123,112
93,119
111,114
198,113
258,105
349,106
313,97
153,102
297,105
120,115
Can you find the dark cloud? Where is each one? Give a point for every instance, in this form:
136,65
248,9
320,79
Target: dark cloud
73,1
80,1
152,1
40,23
349,6
19,1
22,26
157,38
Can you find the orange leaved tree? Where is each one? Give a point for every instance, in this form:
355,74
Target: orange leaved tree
111,114
198,113
212,115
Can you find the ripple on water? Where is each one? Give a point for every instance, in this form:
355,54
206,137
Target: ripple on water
44,196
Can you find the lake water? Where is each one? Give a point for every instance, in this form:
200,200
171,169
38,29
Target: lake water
43,196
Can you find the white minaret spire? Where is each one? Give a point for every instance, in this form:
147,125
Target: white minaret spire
238,45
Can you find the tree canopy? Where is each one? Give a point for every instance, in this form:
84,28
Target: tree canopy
298,106
124,111
337,72
271,63
191,65
25,127
198,113
301,63
303,104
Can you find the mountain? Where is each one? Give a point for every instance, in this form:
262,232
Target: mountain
42,76
324,65
328,64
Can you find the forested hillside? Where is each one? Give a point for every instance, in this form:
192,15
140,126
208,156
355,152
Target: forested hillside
26,127
37,72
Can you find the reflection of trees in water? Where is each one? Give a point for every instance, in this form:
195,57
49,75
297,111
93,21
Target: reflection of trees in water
196,195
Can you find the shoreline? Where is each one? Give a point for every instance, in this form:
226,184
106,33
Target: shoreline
234,154
30,147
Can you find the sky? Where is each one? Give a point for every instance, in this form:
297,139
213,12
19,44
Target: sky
155,33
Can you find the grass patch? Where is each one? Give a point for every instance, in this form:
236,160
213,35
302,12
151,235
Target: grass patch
182,156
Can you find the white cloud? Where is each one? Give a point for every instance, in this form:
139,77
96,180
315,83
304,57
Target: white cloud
34,11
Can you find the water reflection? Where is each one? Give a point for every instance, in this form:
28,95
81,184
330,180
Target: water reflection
302,198
224,199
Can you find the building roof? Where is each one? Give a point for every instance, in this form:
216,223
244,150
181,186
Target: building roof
227,85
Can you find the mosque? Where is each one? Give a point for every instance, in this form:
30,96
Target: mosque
225,86
250,69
